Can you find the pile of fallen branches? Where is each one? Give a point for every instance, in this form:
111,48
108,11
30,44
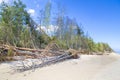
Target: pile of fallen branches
33,58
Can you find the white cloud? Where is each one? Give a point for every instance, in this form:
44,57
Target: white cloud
4,1
49,30
0,1
31,11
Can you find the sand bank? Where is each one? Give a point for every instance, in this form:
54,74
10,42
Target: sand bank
87,67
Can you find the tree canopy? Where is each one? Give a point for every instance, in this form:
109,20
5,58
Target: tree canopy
17,28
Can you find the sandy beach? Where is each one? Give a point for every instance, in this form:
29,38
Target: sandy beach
87,67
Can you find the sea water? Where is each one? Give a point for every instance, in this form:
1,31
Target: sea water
118,52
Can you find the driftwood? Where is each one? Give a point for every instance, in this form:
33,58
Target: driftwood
50,50
31,50
37,57
16,51
47,60
29,65
7,47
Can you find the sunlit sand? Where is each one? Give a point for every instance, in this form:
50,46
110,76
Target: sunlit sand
87,67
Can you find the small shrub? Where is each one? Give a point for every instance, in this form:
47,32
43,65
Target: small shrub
10,52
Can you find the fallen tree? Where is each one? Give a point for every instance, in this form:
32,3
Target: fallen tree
29,64
34,58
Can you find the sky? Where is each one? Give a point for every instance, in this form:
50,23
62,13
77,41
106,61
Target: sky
100,18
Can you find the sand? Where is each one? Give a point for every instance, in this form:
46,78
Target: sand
87,67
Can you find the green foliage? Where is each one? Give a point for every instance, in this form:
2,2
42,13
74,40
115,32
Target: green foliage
12,20
62,44
98,47
10,52
17,28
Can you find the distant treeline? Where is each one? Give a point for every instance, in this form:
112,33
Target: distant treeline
17,28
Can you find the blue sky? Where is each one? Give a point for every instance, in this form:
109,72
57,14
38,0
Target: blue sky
101,18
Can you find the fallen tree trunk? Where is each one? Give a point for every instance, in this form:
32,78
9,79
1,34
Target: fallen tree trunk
44,62
28,49
7,47
46,57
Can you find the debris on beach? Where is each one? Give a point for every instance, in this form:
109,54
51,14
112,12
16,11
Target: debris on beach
28,59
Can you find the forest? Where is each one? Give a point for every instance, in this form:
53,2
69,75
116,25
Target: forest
19,29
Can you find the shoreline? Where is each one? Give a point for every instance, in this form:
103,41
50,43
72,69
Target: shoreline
87,67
